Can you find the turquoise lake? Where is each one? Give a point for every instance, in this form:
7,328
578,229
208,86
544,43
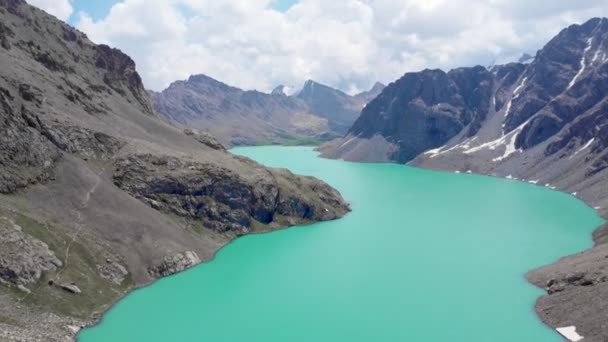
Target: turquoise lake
424,256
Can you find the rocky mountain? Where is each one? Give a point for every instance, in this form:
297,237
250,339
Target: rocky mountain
545,122
339,108
371,94
239,117
526,58
98,195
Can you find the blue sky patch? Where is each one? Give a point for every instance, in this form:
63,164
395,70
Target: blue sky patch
100,9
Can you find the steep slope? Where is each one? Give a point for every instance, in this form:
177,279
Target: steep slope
98,195
438,105
545,122
239,117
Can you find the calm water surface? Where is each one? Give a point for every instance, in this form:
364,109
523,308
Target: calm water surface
424,256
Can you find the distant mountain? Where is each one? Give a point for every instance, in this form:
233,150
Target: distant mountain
371,94
545,122
239,117
283,90
339,108
526,58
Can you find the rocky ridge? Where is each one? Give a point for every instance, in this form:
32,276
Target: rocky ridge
315,113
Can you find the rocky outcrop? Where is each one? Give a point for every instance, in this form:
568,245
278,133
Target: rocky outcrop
220,198
205,139
113,271
174,264
71,288
120,74
23,258
206,104
575,279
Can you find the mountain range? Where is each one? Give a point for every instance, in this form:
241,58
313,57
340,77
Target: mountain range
238,117
544,122
98,194
106,186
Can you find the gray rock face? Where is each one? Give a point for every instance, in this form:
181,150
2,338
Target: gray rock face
205,139
222,199
113,271
23,258
425,110
174,264
71,288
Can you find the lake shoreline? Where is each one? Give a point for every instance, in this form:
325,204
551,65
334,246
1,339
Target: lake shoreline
555,310
99,320
101,317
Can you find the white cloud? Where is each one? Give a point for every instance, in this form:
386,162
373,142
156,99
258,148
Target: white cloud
348,44
62,9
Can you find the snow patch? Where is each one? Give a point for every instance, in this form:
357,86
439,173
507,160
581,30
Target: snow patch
508,141
508,108
583,64
439,151
517,90
595,57
434,151
74,329
347,141
570,333
510,177
533,182
586,146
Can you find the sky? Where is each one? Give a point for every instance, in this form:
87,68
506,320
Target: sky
347,44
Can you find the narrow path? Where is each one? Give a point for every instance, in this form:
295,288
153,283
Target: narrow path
80,225
83,206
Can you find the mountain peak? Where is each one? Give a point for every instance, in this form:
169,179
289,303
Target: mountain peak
376,88
278,90
313,88
371,94
202,78
525,58
283,90
309,85
202,81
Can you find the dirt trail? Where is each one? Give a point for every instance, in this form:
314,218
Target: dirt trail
80,225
